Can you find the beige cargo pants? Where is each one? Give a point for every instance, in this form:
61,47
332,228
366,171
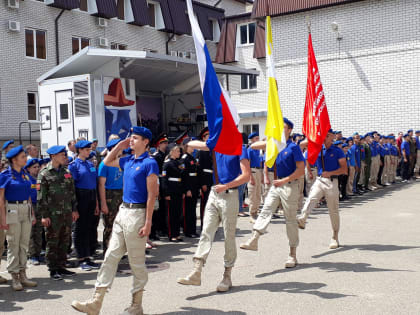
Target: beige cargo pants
350,180
362,173
309,181
374,169
394,166
417,167
288,195
268,187
324,187
125,239
254,191
19,219
2,238
387,170
220,208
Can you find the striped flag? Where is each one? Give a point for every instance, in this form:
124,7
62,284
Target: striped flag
222,116
274,129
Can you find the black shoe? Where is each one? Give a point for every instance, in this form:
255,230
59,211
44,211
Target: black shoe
71,264
92,264
65,272
55,275
194,235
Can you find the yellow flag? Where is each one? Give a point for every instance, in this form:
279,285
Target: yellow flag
274,129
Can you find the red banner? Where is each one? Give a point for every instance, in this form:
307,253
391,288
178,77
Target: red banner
316,121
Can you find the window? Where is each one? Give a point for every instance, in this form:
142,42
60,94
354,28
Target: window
35,42
83,5
120,8
215,30
32,105
64,111
116,46
155,15
248,81
78,43
247,34
248,129
152,16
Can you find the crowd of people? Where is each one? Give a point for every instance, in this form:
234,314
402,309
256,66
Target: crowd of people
147,189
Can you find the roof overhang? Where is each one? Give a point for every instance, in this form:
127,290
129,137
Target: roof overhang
153,72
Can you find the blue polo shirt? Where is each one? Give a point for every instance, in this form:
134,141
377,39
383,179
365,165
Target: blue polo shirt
374,148
228,166
17,186
254,157
331,159
113,175
386,148
33,189
405,146
136,171
286,160
84,174
355,149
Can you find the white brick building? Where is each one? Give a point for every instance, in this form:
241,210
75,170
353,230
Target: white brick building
371,76
19,72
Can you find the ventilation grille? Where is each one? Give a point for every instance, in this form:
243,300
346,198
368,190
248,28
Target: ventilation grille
81,107
81,88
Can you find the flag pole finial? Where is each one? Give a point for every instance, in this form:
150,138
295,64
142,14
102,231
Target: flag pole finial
308,24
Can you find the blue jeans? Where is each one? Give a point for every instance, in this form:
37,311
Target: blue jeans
241,190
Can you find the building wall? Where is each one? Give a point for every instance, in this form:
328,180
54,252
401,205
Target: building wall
20,73
231,7
370,77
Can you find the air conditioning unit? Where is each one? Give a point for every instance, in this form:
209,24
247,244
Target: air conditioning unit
14,26
13,4
103,42
173,39
102,22
174,53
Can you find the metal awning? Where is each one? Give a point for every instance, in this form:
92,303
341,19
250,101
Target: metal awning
153,72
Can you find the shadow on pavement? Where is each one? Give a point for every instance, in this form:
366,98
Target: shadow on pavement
8,297
366,247
288,287
332,267
203,311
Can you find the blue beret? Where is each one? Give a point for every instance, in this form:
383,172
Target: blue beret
142,131
330,131
367,135
355,134
417,131
31,162
91,155
337,142
345,145
349,139
344,139
15,151
127,151
70,159
46,161
287,121
94,140
410,130
337,132
362,137
55,149
7,143
406,135
252,135
82,144
112,143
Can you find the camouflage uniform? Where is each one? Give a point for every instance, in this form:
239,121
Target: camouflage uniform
4,161
35,244
113,201
56,200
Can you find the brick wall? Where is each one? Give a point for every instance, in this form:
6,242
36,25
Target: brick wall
370,77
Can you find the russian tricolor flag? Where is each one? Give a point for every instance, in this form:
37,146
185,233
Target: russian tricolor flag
222,116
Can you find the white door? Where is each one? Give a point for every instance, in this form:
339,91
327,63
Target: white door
64,110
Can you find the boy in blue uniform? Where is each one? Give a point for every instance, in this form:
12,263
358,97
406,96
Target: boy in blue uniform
405,158
254,185
290,166
222,206
110,193
133,222
331,163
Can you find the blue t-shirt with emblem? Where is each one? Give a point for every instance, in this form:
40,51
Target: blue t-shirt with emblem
136,171
374,148
332,155
113,175
355,149
16,185
254,158
405,146
228,166
286,160
84,174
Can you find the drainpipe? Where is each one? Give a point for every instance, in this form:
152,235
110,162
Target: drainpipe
217,3
57,50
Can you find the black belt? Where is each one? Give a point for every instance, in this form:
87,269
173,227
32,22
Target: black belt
134,205
18,202
260,168
85,190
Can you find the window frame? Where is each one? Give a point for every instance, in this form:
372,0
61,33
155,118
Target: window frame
34,30
118,46
251,128
36,104
158,19
239,37
248,82
79,38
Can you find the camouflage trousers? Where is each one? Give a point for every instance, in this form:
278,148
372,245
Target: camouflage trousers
35,243
57,236
113,201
